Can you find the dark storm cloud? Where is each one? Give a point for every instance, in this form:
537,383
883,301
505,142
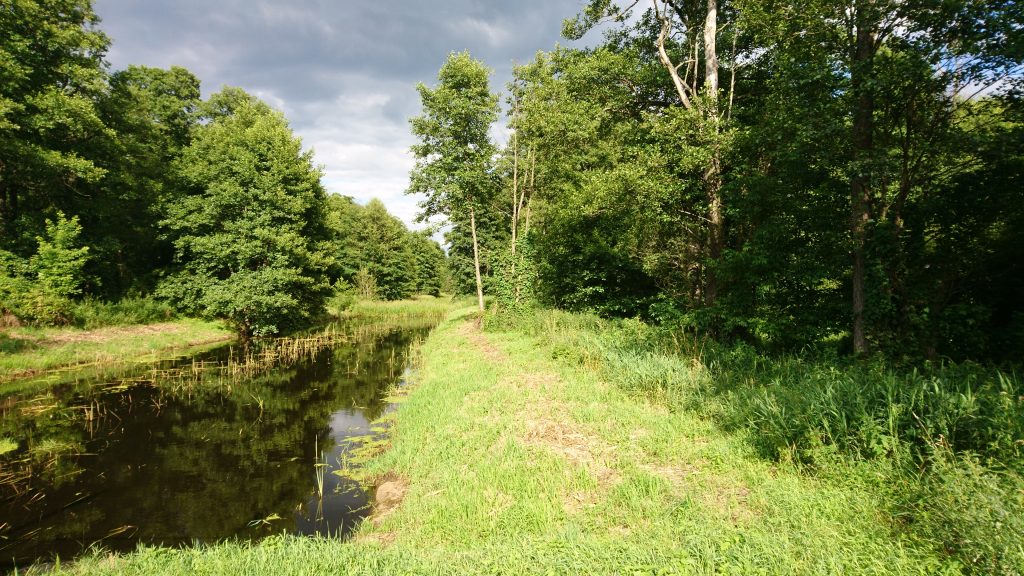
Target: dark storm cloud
343,72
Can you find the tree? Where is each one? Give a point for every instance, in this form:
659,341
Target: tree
455,154
385,252
153,112
43,288
430,263
692,27
51,62
250,228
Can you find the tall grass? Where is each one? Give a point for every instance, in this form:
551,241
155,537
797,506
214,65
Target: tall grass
91,313
952,435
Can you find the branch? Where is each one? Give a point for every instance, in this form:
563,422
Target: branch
666,28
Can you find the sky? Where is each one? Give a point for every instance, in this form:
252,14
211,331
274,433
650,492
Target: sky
343,72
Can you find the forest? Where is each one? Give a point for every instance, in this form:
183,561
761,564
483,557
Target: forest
788,175
795,223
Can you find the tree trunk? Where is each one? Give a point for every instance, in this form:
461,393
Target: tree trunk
861,70
713,175
515,191
476,261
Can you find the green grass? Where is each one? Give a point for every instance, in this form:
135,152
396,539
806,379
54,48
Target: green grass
944,441
91,314
7,445
522,457
368,311
36,353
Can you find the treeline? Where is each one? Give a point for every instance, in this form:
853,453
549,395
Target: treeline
128,184
792,175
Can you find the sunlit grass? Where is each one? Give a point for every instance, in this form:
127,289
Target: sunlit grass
7,445
44,350
521,458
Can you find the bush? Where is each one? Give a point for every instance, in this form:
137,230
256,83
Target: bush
343,298
142,310
42,289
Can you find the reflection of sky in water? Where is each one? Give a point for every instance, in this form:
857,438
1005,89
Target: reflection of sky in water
344,501
346,423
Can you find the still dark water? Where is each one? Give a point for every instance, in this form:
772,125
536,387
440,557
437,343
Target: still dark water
115,463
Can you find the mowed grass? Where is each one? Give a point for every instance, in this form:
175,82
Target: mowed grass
516,461
30,353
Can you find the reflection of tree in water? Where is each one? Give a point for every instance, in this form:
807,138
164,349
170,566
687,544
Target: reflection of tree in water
197,464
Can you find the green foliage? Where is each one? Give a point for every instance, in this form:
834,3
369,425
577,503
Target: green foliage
516,279
365,284
455,156
153,112
250,232
386,252
91,313
430,264
378,255
43,288
970,512
492,239
945,444
344,297
51,59
454,151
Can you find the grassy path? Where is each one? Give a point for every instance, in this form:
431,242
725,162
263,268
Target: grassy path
32,353
516,459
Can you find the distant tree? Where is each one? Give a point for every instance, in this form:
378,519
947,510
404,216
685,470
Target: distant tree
386,252
250,227
455,154
430,263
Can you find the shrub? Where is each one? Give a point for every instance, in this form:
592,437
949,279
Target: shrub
42,289
971,512
141,310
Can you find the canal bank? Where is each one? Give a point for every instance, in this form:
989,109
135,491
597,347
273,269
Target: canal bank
510,455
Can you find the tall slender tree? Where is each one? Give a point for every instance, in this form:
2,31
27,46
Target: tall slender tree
455,154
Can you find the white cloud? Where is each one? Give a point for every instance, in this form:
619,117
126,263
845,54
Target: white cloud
342,72
496,36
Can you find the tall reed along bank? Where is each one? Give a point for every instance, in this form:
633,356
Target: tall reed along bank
555,443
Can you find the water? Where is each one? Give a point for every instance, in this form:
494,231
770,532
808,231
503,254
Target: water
116,464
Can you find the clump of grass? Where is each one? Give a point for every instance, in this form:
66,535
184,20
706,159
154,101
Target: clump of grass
7,445
971,512
50,448
92,313
369,311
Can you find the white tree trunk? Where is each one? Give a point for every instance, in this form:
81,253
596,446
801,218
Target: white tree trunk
476,261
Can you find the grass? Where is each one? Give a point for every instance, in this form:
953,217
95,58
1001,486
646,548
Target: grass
37,353
7,445
944,442
521,456
418,308
90,314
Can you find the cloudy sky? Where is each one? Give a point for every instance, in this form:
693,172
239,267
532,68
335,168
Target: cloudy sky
343,72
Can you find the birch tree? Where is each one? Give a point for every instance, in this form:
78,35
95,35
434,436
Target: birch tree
455,155
694,26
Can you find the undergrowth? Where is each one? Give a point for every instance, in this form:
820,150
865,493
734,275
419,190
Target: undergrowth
949,438
91,314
